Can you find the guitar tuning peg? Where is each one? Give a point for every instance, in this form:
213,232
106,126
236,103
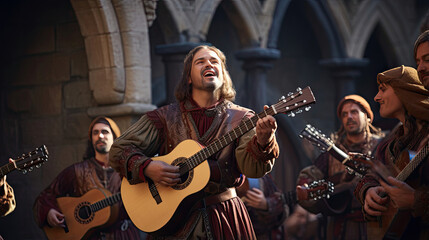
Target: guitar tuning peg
291,114
24,171
289,94
307,108
298,89
299,111
282,98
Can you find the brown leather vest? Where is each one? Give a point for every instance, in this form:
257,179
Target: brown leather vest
179,126
90,175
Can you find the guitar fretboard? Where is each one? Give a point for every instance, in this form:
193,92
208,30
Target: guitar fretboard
413,164
223,141
7,168
109,201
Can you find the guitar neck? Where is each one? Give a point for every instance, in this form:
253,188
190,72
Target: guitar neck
413,164
222,142
7,168
109,201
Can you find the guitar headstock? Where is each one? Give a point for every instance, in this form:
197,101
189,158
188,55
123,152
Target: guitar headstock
319,189
35,158
316,137
294,102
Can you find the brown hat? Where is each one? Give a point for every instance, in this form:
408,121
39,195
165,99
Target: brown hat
363,104
108,121
410,91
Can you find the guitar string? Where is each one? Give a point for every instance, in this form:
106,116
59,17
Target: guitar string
197,158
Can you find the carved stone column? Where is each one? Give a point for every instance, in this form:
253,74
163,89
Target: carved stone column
257,62
173,56
345,71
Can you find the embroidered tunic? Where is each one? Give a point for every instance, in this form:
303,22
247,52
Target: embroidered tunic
160,131
343,212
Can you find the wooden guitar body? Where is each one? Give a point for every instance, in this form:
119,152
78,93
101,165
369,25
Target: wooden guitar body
143,208
80,220
391,225
163,210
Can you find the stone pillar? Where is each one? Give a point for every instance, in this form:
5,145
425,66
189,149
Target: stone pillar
173,56
344,71
257,61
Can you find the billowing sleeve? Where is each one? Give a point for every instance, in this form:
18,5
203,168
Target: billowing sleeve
7,199
133,149
62,185
253,160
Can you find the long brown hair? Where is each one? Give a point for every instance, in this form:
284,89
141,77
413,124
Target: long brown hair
184,88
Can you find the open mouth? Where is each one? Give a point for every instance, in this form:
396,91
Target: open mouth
209,73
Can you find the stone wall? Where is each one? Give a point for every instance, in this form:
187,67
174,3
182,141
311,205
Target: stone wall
45,96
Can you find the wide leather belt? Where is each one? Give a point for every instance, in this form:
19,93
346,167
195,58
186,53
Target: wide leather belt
221,197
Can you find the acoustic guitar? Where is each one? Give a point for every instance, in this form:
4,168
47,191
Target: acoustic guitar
358,165
161,209
393,223
27,162
84,214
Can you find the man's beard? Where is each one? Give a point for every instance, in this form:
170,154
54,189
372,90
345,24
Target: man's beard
359,130
101,149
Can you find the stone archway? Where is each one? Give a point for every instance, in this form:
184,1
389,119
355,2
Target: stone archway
117,45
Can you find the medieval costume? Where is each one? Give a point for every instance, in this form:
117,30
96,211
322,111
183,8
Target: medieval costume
78,179
220,213
397,150
268,224
342,218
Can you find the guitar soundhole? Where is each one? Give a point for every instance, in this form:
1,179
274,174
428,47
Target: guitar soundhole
186,178
83,213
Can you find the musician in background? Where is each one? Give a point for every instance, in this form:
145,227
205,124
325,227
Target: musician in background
267,206
203,112
402,96
342,216
91,173
421,55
